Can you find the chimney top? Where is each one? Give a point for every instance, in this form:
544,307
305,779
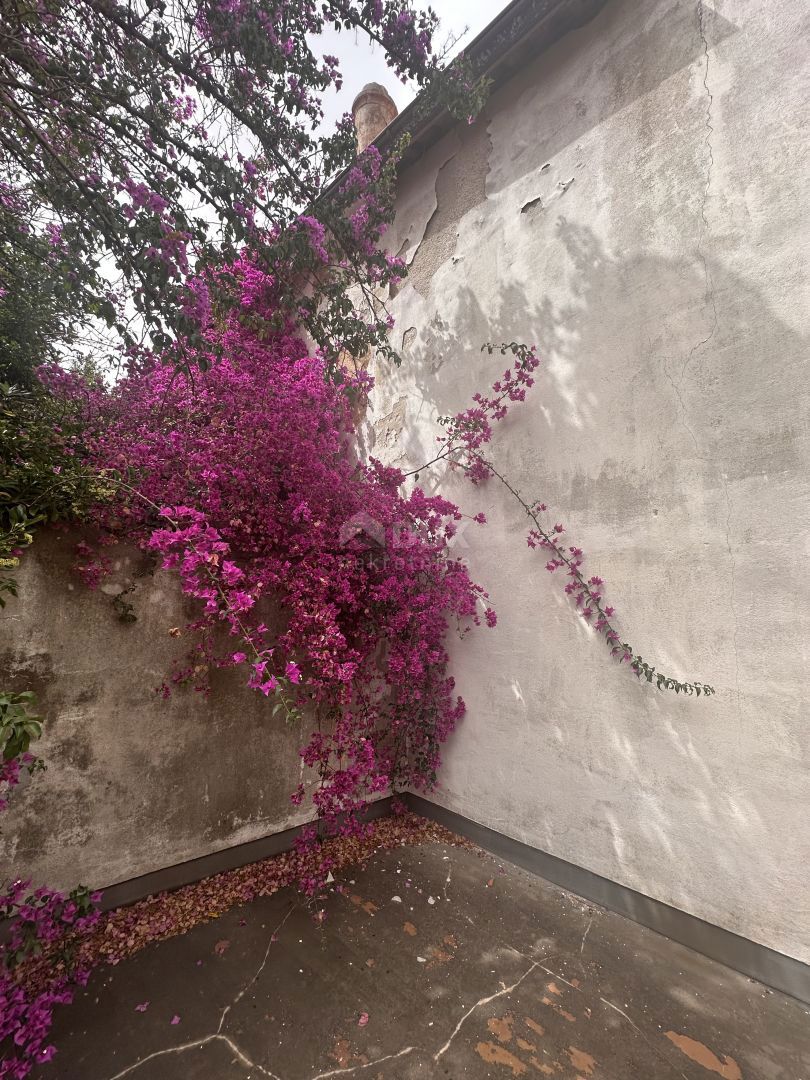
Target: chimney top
373,110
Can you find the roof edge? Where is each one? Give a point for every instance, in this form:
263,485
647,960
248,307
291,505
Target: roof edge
520,33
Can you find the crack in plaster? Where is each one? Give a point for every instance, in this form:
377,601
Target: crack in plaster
704,227
702,231
245,1059
638,1030
732,587
485,1001
681,410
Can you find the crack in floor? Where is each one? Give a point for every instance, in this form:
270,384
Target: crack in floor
485,1001
447,880
218,1035
651,1045
196,1044
257,973
561,978
585,935
364,1065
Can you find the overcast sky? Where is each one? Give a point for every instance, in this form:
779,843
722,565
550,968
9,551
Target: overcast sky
361,63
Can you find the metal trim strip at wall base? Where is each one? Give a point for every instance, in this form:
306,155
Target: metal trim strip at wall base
748,957
743,955
186,873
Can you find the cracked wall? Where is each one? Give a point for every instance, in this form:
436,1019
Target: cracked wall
642,223
133,783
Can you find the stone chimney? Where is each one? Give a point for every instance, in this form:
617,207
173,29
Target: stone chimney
373,109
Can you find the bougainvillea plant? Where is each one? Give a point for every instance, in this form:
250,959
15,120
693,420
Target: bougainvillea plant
34,920
145,140
38,920
142,147
312,570
183,145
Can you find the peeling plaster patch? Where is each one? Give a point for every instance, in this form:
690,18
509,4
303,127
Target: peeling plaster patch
697,1051
561,188
416,201
408,338
460,187
557,193
388,428
531,204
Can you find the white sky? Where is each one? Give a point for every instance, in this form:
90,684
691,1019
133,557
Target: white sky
361,62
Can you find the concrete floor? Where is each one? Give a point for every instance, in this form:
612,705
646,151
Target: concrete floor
435,963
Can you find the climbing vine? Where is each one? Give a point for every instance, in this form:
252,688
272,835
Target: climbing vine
461,448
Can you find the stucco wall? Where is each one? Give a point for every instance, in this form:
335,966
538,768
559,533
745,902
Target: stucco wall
634,203
134,783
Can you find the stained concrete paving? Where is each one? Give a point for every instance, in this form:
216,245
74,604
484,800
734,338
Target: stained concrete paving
435,962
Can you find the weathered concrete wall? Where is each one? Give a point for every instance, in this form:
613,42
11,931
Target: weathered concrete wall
634,203
134,783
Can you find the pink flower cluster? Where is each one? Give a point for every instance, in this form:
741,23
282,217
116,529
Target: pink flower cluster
43,921
10,775
467,432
